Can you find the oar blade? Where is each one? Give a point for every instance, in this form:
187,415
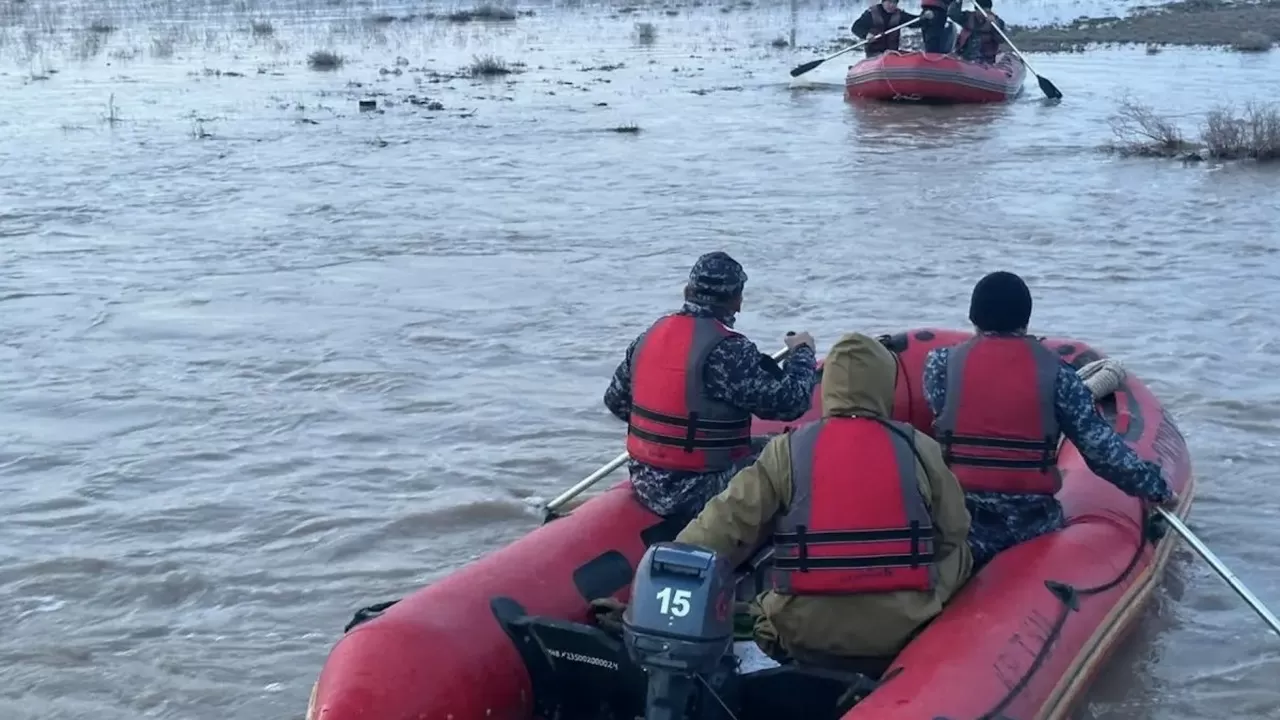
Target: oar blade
1050,90
802,69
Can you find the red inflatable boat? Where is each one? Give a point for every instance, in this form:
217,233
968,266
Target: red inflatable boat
1021,640
929,77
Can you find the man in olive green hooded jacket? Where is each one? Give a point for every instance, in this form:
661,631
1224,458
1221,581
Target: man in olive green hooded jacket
858,378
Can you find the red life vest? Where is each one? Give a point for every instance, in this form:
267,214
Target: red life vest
988,38
674,425
881,21
857,522
998,428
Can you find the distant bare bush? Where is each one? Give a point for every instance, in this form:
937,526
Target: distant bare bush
483,12
325,60
162,47
1138,130
488,66
1252,41
1254,133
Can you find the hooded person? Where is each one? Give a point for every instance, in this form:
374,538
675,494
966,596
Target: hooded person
1001,402
867,524
687,389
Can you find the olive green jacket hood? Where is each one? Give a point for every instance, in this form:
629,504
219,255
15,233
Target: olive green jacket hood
858,378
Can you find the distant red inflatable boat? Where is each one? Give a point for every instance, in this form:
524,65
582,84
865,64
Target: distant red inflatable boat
930,77
1022,639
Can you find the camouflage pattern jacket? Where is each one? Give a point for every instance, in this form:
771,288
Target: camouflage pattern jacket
736,373
1002,520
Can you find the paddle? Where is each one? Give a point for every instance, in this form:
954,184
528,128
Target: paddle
1203,551
802,69
1101,384
1050,90
583,485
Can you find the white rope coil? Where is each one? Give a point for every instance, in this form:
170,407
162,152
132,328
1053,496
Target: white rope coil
1103,377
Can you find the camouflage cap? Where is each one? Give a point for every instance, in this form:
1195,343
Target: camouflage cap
716,277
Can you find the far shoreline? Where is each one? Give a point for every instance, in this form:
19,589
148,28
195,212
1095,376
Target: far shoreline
1245,26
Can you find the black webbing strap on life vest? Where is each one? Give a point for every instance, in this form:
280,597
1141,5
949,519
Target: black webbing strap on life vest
692,425
1048,449
802,538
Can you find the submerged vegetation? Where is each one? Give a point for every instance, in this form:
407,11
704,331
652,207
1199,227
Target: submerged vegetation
482,12
325,60
1226,134
488,66
1252,41
646,33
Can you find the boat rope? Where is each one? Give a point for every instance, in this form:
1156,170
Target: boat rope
1102,377
937,57
716,695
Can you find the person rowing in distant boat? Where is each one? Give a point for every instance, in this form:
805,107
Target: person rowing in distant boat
884,15
935,31
688,387
979,39
1001,402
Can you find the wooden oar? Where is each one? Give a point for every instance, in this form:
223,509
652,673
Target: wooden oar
1050,90
802,69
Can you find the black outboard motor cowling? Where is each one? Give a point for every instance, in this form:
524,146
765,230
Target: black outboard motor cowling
679,624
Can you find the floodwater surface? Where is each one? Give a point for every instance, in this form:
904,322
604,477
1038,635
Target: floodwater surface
267,358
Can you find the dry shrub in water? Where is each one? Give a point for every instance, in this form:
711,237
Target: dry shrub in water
324,60
1138,130
162,47
488,66
1255,133
483,12
646,33
1252,41
262,28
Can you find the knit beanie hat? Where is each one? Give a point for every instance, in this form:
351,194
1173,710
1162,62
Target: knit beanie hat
1001,303
715,278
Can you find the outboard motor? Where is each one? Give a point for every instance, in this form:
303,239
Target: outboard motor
679,628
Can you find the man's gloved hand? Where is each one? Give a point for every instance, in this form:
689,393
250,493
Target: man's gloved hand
607,614
794,340
927,15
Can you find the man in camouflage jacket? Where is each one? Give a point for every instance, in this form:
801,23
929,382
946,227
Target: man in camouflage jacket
736,372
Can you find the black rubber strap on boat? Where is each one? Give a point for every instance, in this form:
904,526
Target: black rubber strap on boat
365,614
1070,597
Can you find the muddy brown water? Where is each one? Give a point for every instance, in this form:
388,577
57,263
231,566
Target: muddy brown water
267,359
